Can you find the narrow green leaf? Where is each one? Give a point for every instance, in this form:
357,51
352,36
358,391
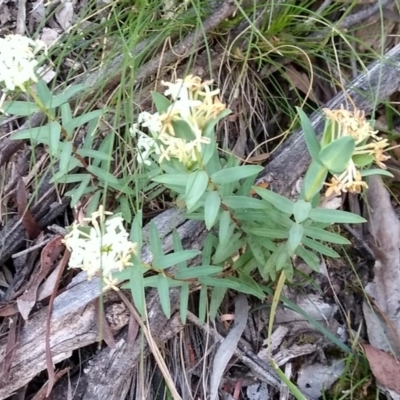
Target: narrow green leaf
335,216
71,178
217,296
136,234
104,176
169,260
219,282
211,208
224,224
280,202
237,202
337,154
137,286
184,302
83,119
375,171
174,179
203,303
320,248
308,257
20,108
54,137
270,233
313,181
66,118
43,92
195,188
207,249
177,243
325,236
125,208
60,99
295,237
65,156
235,174
301,210
163,294
106,147
79,191
95,154
310,137
93,204
197,272
256,250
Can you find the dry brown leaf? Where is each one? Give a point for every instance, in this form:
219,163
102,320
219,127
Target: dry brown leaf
300,81
384,366
28,221
47,259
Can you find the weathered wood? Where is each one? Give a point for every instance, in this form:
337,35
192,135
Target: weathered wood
73,323
291,160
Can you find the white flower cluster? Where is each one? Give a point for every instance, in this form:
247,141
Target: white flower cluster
18,61
193,102
103,249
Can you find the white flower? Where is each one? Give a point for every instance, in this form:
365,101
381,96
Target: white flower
18,61
104,249
150,121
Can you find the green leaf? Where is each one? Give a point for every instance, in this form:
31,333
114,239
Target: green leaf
197,272
295,237
301,210
375,171
73,178
219,282
177,244
335,216
106,147
136,235
224,231
195,188
223,252
207,249
314,180
43,92
269,233
163,294
40,134
209,128
20,108
125,208
310,137
361,160
308,257
78,193
217,296
54,137
104,176
136,284
155,241
237,202
203,303
211,208
281,203
160,101
207,153
325,236
337,154
93,203
60,99
235,174
95,154
320,248
65,156
83,119
66,118
183,130
184,302
174,179
166,261
256,250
